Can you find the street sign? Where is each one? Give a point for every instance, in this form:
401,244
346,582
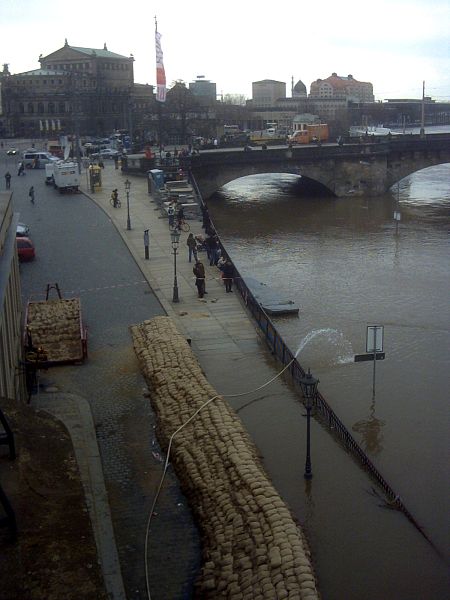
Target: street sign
374,338
366,357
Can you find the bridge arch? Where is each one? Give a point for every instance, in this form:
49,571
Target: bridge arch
361,169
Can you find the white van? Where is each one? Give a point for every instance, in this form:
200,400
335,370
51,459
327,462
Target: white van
37,160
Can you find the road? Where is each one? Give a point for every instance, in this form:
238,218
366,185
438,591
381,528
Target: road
78,247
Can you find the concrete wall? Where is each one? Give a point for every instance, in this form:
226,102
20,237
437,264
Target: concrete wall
252,548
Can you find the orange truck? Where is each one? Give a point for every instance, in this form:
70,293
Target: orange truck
309,133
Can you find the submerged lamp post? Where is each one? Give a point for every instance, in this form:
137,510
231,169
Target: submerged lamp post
127,190
308,384
175,238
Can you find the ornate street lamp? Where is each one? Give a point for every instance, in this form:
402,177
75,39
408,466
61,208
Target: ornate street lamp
127,190
175,238
308,384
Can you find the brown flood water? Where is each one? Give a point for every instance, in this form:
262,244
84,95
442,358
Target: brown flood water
342,262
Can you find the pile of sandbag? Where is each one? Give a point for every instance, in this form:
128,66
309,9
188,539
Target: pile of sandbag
251,545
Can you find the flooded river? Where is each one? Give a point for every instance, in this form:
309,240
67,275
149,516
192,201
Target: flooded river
342,261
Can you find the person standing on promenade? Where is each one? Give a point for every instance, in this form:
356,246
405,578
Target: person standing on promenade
192,245
199,272
228,274
31,194
8,179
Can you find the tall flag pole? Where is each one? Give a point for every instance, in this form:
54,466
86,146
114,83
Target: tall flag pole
160,73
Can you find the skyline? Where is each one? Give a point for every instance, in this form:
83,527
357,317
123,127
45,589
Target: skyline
397,47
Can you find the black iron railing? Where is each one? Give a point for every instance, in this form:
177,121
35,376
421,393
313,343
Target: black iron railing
323,410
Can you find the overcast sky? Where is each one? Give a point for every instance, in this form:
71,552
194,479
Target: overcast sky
394,44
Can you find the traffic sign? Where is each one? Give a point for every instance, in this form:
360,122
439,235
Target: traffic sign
366,357
374,338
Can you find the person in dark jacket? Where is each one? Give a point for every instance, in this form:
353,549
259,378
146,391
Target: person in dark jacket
199,272
228,274
192,245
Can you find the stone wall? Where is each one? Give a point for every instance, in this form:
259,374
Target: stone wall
252,548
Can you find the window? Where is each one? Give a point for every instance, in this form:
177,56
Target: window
30,108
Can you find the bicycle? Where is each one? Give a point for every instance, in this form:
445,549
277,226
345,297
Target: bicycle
181,225
115,202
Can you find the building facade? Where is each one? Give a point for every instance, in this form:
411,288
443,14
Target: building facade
204,90
337,86
265,93
76,90
12,378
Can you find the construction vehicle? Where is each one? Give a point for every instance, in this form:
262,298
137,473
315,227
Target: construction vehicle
266,137
307,133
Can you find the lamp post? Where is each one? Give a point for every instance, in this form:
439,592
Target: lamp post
308,384
175,238
127,190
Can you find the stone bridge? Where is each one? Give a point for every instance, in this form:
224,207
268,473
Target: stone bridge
364,169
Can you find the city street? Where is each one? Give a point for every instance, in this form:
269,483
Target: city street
78,247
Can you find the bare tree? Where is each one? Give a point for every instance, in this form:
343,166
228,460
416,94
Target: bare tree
236,99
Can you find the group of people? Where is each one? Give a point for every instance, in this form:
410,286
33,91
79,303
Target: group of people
210,243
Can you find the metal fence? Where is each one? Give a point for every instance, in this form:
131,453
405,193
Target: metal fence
323,411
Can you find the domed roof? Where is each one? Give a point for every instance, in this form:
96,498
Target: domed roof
299,86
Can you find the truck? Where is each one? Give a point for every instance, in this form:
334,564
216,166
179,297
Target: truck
306,133
63,175
267,136
54,331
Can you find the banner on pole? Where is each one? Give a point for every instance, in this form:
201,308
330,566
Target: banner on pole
160,73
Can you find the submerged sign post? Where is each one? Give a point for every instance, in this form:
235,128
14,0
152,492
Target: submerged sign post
374,347
374,344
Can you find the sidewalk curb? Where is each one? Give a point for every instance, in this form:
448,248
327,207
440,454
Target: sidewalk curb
75,413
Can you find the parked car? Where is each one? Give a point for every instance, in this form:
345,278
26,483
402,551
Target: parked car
25,248
11,152
106,153
22,230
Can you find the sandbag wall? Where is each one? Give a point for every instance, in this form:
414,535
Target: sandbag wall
252,548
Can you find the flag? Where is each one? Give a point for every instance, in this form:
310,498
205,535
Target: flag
160,73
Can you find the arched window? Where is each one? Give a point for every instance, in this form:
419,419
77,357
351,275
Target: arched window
61,107
41,108
51,108
21,108
30,108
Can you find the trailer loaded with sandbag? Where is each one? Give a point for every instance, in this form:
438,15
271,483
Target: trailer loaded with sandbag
54,331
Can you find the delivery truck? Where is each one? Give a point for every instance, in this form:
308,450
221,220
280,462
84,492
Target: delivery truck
63,175
307,133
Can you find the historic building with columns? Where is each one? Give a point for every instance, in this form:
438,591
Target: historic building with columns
88,91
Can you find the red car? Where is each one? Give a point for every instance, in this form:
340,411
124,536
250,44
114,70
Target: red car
25,248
